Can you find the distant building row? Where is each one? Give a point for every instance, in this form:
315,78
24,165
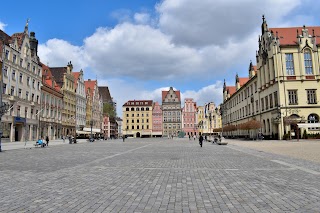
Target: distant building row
46,101
145,118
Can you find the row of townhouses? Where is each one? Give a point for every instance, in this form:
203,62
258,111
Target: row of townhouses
281,90
46,101
146,118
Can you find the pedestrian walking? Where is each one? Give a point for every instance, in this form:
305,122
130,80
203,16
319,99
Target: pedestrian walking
123,138
47,140
194,137
200,140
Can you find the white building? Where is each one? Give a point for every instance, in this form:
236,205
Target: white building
80,100
22,73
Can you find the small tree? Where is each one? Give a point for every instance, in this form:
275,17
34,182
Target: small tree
109,110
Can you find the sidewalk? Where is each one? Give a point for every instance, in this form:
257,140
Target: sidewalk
30,144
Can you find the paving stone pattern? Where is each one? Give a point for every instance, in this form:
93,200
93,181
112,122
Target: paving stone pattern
153,175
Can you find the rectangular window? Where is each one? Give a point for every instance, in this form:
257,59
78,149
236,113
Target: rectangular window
266,102
14,58
33,83
21,77
21,62
12,91
252,108
27,95
262,104
26,112
275,96
13,75
271,101
20,93
5,73
289,64
28,81
308,62
312,96
4,90
18,111
7,54
293,98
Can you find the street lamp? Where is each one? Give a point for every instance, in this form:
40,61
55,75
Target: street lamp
91,124
220,111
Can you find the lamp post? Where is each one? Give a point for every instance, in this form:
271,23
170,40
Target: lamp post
91,124
220,111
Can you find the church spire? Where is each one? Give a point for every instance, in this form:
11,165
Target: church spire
26,28
264,26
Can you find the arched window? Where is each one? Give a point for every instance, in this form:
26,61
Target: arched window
127,109
313,118
308,62
137,109
142,109
132,109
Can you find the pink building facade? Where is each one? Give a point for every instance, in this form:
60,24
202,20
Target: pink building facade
189,118
156,120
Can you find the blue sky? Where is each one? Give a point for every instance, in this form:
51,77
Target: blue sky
139,48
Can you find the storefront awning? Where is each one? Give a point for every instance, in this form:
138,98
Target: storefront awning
93,130
308,125
82,132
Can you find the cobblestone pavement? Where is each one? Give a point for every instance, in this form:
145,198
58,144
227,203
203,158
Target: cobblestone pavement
303,149
155,175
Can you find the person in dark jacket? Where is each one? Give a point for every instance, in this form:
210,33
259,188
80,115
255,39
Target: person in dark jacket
200,140
47,140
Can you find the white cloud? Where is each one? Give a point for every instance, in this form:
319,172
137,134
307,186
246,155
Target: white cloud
207,22
141,52
2,26
142,18
56,52
206,94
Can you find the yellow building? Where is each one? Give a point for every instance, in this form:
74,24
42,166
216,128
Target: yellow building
209,119
65,79
281,91
137,118
94,108
201,119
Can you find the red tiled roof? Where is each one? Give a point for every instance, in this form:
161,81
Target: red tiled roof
76,77
138,103
255,69
231,89
19,37
49,81
164,94
243,81
90,84
288,36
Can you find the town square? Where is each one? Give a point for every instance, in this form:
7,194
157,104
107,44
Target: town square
160,106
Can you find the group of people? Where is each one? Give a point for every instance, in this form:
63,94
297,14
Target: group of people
42,143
